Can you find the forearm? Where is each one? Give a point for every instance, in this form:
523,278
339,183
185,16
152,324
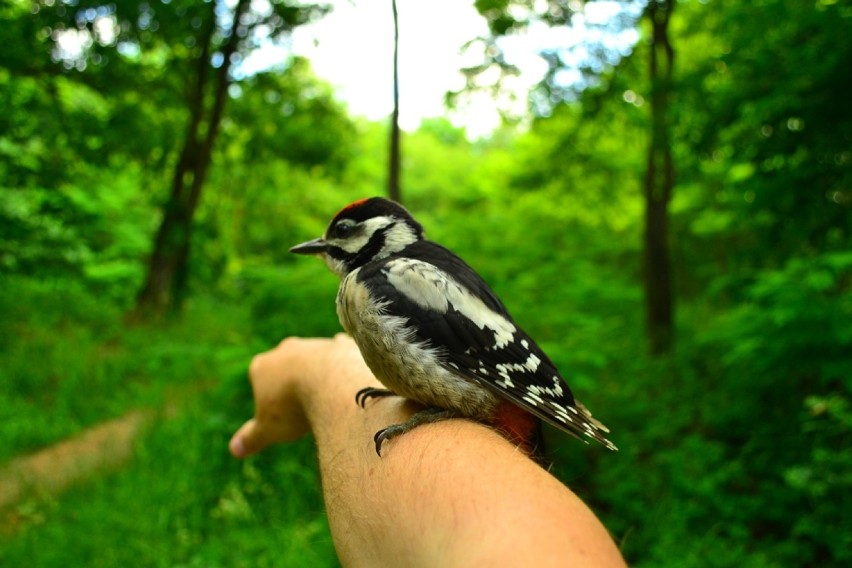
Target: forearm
453,493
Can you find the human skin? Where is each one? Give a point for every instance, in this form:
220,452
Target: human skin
452,493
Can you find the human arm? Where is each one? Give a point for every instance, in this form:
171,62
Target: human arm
453,493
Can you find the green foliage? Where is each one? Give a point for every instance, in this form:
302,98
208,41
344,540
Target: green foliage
89,135
788,348
68,363
742,439
768,129
186,502
95,228
292,301
734,451
288,115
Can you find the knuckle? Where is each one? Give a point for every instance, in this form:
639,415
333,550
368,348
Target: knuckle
256,365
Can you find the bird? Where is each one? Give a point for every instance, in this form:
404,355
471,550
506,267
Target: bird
431,330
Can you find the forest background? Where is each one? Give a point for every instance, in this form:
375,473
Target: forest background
673,227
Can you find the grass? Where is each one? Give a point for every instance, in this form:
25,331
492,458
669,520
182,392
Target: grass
185,502
728,457
68,363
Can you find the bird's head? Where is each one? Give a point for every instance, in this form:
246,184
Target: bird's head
363,231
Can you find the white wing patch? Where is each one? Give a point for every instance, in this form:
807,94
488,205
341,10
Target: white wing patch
433,289
529,366
534,392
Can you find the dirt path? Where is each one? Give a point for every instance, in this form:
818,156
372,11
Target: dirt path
105,447
101,449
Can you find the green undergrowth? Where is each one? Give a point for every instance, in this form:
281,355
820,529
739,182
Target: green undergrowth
69,362
185,502
733,450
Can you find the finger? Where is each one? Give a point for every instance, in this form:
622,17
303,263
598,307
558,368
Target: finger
248,440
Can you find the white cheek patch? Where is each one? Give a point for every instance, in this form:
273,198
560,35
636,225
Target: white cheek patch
434,290
352,245
355,243
397,237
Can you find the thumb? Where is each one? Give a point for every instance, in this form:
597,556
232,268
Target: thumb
248,440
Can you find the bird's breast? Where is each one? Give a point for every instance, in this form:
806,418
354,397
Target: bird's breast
410,368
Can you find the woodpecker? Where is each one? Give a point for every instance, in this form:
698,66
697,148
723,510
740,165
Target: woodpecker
431,330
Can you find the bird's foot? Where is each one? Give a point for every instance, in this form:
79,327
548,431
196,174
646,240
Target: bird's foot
365,394
426,416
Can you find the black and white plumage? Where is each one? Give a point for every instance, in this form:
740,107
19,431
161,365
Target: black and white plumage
432,330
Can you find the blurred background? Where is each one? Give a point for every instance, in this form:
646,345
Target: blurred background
660,191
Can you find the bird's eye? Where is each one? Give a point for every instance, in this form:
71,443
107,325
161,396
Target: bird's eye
344,228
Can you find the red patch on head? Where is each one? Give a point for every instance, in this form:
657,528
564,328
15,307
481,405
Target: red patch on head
353,205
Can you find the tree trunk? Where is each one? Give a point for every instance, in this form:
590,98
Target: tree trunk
395,157
658,185
165,286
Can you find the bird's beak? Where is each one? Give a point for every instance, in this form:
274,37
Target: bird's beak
316,246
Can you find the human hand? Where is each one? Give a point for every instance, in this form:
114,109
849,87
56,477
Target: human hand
282,380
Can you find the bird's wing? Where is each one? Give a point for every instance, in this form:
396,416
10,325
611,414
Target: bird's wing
452,309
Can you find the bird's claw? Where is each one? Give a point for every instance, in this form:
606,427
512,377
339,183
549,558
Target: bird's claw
366,393
379,438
